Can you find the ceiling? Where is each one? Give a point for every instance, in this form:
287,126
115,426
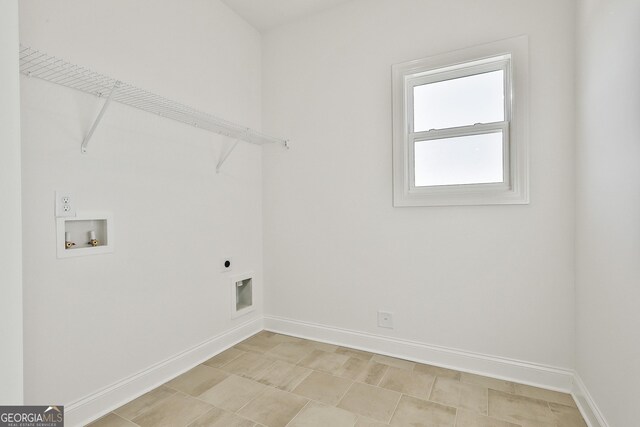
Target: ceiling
267,14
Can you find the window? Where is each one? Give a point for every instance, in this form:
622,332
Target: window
459,134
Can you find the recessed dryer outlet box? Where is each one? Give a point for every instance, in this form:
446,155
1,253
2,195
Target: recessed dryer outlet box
242,295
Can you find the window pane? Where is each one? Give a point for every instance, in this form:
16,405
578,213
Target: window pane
475,159
459,102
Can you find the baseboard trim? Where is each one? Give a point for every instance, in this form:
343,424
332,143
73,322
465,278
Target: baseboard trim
548,377
99,403
590,411
95,405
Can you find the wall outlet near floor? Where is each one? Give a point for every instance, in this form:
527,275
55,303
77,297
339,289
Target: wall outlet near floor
385,319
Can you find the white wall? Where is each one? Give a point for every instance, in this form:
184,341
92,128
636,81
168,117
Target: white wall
608,206
11,392
95,320
496,280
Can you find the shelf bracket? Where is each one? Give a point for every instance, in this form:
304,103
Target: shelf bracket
96,122
225,155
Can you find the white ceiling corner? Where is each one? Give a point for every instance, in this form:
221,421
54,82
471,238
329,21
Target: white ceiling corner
267,14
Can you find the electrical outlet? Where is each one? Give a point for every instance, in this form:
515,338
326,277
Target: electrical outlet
385,319
64,206
226,264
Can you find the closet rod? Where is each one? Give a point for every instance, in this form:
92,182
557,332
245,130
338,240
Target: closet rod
34,63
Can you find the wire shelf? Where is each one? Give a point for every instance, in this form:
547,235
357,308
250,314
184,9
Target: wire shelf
34,63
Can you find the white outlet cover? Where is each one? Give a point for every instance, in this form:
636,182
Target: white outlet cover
385,319
64,204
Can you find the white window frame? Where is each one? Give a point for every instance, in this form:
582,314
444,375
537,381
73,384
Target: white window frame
511,56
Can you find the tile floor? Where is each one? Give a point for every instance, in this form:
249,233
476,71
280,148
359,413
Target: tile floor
276,380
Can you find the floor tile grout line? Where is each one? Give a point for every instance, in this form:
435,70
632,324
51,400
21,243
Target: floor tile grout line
150,407
553,414
257,395
395,408
123,418
252,420
237,412
203,401
228,361
345,393
433,386
252,399
298,413
202,415
488,401
315,401
498,417
428,398
302,380
258,375
386,372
